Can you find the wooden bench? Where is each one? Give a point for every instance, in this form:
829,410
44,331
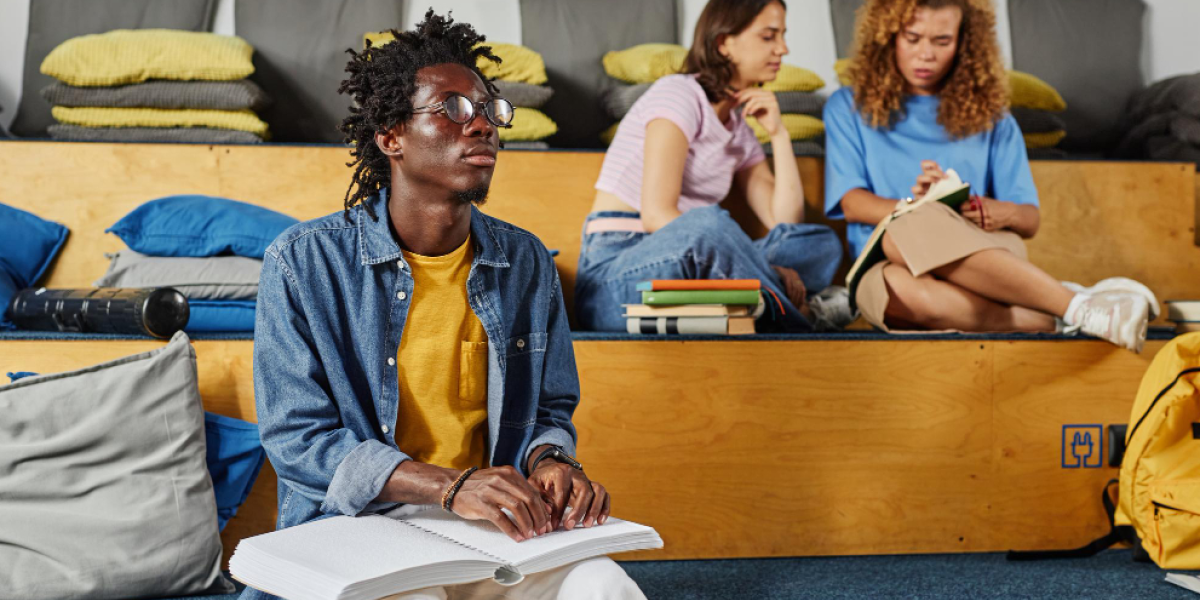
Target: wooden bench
806,445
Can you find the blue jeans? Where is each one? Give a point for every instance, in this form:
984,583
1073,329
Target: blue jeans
703,243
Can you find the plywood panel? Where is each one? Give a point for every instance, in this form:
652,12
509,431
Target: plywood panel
88,187
744,449
1039,388
1101,219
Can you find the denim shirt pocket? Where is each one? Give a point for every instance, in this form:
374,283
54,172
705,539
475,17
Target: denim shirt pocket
524,358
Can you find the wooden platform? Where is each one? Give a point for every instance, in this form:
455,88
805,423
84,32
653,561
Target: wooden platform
744,449
731,448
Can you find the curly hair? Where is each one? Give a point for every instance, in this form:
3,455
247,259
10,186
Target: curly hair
382,82
975,94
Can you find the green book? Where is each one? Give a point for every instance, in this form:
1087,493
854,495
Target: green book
701,297
950,191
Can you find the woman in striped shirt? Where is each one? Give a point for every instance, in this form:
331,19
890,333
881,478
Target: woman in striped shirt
677,154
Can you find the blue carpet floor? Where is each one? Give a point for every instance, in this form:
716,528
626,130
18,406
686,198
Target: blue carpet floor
1111,574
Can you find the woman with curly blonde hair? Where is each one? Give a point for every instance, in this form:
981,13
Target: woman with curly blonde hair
929,94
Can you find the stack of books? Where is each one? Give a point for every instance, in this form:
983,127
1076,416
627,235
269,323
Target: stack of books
696,306
1185,314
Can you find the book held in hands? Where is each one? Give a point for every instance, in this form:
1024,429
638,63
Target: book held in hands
373,556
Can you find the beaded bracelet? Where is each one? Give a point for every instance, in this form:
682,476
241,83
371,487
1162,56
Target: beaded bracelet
448,495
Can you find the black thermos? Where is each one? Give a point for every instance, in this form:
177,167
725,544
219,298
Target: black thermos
158,312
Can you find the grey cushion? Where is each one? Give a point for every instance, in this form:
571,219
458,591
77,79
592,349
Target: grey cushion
195,135
1091,52
813,147
843,13
216,95
105,492
1186,129
800,103
300,58
1133,144
52,22
1167,147
1180,93
524,94
1037,121
619,97
526,146
572,37
213,278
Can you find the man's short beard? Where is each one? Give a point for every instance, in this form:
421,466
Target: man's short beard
475,195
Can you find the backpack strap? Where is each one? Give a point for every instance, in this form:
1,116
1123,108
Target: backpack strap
1122,533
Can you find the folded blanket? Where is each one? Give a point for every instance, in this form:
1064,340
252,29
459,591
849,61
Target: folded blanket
1180,93
1166,147
216,95
1037,121
242,120
523,95
195,135
1133,145
1186,129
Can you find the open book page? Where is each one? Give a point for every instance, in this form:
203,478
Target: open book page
321,559
543,552
942,189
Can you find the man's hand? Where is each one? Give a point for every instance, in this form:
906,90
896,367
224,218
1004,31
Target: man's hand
563,485
487,491
931,173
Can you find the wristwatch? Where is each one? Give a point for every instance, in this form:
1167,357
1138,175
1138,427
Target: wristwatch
557,454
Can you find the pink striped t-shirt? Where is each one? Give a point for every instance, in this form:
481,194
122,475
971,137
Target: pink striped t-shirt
715,151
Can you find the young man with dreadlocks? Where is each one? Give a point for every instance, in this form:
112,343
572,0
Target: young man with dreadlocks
412,350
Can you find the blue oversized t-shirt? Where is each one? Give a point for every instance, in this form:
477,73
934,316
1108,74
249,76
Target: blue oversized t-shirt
886,162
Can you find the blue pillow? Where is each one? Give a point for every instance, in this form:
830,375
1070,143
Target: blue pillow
200,226
235,456
29,245
213,316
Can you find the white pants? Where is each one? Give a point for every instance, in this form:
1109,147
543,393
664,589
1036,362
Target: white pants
593,579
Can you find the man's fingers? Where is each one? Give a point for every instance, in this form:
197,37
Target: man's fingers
520,513
593,513
501,520
530,501
581,501
606,510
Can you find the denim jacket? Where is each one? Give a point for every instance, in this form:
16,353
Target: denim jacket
332,302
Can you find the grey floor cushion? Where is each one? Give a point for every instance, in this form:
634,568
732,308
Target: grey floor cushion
572,36
1180,93
52,22
1091,52
1037,121
194,135
1186,129
104,492
216,95
212,278
523,94
300,58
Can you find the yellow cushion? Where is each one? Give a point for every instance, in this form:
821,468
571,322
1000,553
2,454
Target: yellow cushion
799,127
645,63
241,120
1049,139
128,56
1030,92
795,79
528,125
607,135
842,68
518,63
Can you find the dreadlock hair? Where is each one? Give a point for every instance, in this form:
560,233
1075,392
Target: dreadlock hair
382,83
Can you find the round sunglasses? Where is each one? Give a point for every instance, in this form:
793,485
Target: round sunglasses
461,110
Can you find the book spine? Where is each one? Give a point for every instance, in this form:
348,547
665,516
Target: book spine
658,285
677,325
701,297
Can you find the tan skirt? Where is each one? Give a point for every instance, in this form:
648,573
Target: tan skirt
930,237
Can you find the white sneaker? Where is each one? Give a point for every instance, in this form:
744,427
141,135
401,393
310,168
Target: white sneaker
831,309
1117,317
1119,284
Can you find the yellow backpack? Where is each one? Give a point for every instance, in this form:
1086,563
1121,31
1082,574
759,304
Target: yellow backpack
1158,493
1159,490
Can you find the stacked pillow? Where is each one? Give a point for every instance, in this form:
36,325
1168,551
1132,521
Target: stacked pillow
635,69
1034,104
29,248
520,79
1164,121
154,85
210,249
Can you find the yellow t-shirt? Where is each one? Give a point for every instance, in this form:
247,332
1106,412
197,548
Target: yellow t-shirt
442,364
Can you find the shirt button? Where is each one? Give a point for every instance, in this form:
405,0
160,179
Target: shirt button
391,362
520,344
385,429
401,295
